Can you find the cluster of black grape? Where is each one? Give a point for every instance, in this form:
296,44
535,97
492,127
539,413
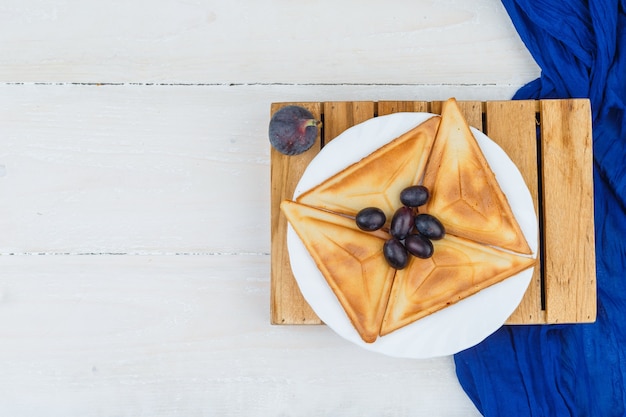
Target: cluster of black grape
411,232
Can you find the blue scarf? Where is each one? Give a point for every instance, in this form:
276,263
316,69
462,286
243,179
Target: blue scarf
570,370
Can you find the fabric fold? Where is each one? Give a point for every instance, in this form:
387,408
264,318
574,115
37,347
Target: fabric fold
579,369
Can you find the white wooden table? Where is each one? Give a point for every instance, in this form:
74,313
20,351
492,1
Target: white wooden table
134,197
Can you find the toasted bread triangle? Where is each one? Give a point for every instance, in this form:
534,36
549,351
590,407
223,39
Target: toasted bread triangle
351,261
465,195
458,268
377,179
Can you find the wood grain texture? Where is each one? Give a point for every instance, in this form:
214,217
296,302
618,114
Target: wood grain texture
512,125
286,303
341,115
568,211
150,169
260,41
135,178
389,107
472,111
166,335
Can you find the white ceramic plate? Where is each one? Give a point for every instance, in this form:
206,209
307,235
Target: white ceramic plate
447,331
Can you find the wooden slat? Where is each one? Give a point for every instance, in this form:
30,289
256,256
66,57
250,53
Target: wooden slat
341,115
287,305
569,258
389,107
512,125
472,111
306,46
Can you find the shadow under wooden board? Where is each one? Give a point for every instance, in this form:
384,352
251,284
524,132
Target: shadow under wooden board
548,140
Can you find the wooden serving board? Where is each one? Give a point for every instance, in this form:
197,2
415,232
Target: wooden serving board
548,140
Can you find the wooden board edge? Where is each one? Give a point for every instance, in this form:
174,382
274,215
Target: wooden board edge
567,176
287,305
511,125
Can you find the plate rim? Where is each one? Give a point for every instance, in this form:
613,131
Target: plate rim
515,286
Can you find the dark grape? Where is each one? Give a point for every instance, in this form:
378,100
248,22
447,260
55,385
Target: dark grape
429,226
414,196
419,246
401,223
395,253
370,219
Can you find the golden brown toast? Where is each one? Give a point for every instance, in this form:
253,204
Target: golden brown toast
377,179
464,193
458,268
351,261
483,245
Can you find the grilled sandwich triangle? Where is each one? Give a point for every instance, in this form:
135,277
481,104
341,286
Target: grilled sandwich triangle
351,261
442,154
458,268
465,195
377,179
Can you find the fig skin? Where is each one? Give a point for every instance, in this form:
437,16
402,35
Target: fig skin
293,130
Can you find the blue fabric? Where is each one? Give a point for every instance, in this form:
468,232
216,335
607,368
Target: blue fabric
570,370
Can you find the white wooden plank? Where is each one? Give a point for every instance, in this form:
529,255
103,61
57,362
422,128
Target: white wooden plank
177,174
187,335
261,41
151,169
